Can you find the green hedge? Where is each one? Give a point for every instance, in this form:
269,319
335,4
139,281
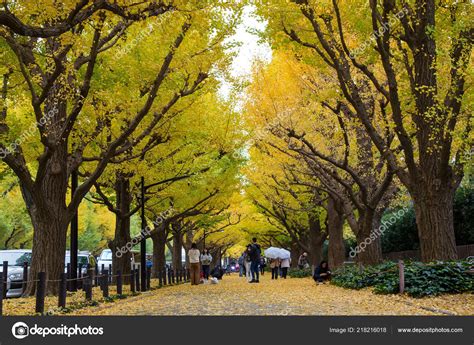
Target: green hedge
297,273
420,279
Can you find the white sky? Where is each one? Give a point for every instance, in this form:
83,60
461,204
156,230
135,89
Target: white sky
249,50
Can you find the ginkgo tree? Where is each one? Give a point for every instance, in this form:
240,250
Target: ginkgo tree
97,78
411,62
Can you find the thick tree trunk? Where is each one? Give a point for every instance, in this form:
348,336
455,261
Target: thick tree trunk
177,254
434,220
49,247
121,255
316,238
296,251
369,244
50,220
159,256
336,250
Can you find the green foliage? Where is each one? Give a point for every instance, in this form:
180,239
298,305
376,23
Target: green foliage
297,273
420,279
402,235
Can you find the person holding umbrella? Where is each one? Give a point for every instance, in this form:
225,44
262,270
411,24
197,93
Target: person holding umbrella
285,264
274,265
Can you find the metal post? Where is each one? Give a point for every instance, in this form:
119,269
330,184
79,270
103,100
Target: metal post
74,234
4,280
25,275
1,294
143,240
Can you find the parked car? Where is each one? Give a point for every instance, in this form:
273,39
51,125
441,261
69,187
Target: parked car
82,258
105,258
15,258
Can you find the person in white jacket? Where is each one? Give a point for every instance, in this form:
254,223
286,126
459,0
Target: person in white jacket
194,268
285,264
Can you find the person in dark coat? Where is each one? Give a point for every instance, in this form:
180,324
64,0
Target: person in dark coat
322,272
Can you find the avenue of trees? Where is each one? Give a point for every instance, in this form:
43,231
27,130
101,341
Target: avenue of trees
365,107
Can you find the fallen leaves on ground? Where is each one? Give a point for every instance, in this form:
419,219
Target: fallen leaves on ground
234,296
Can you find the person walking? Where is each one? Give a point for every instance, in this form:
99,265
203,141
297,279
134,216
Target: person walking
254,253
241,265
194,255
247,264
285,264
274,265
206,260
263,264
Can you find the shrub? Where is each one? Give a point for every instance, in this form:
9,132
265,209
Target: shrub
420,279
297,273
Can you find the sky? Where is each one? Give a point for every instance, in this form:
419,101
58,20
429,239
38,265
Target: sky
250,48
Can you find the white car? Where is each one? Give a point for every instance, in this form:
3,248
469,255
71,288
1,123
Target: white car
82,258
105,259
15,258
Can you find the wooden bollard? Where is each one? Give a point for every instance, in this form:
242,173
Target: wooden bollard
164,276
25,276
110,272
40,292
137,279
401,275
88,286
132,280
62,290
80,282
96,277
1,294
119,282
68,275
5,277
105,282
148,278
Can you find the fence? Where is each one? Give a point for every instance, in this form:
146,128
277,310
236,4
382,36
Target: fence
88,281
463,252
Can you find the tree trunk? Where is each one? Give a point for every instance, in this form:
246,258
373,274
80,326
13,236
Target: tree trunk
336,250
434,220
369,244
50,220
49,248
316,238
159,246
121,255
177,251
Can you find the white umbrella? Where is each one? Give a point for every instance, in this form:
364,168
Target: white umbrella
277,253
284,254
